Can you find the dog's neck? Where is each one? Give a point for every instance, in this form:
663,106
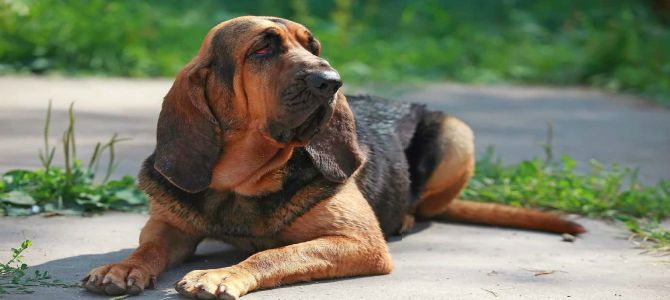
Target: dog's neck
250,165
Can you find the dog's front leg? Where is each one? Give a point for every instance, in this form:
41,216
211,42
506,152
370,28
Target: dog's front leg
339,237
161,245
326,257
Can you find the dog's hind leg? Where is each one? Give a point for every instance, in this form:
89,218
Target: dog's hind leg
442,166
442,161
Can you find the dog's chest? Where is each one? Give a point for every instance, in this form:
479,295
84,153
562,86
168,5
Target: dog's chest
248,222
255,222
244,223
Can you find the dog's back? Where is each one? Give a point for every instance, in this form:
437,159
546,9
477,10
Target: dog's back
406,143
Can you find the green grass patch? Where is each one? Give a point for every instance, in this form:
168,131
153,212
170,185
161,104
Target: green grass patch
72,189
608,193
15,278
617,45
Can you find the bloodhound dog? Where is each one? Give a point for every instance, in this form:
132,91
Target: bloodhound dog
258,147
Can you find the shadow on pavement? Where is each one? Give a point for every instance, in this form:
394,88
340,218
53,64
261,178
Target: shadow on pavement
210,255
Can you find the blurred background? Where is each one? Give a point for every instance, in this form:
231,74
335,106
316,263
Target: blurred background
619,45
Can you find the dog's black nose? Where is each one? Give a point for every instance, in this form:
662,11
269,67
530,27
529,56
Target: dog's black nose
324,83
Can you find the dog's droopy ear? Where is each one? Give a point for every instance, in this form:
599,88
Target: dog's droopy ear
335,150
188,134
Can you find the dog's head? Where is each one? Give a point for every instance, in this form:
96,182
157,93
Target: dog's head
260,74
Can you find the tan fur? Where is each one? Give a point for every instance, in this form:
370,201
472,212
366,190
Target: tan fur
249,166
337,238
161,245
452,174
503,215
439,198
408,223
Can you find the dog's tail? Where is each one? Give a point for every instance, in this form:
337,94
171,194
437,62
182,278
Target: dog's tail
508,216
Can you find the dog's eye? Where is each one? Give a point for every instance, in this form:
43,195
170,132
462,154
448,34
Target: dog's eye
313,46
264,50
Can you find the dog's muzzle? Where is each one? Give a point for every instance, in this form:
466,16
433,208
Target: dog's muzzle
306,107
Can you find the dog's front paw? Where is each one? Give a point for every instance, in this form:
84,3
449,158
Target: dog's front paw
225,283
118,279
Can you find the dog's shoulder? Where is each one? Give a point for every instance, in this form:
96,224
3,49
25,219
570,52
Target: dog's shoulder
385,128
389,118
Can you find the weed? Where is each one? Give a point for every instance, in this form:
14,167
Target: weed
15,278
613,193
72,189
650,236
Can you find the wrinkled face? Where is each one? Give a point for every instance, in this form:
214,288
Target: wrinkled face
272,70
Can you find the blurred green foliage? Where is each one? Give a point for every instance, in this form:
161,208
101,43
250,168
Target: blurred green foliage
618,45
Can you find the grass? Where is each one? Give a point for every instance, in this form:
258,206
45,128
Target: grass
600,193
15,278
606,193
612,194
72,189
617,45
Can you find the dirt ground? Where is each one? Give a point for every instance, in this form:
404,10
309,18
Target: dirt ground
439,261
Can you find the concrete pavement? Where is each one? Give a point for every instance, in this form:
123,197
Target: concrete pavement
440,261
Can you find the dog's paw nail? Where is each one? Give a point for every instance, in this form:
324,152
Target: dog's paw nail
226,293
202,294
85,279
92,279
134,289
113,289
